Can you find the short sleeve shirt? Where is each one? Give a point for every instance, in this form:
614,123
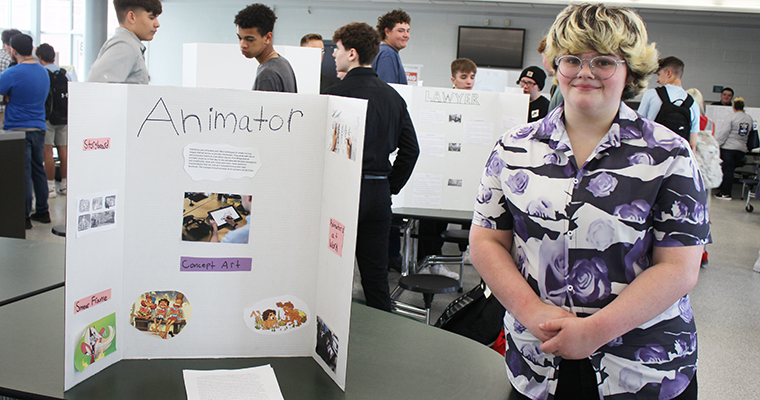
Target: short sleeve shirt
388,65
121,60
581,235
276,75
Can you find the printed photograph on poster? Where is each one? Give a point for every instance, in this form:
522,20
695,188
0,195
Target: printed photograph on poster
161,314
327,344
455,182
216,217
98,341
217,162
96,212
455,147
277,315
345,137
343,141
455,118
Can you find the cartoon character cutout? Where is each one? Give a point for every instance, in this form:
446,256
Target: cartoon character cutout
276,315
266,320
161,314
175,315
98,341
292,316
146,307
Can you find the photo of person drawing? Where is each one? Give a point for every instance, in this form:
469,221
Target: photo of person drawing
589,227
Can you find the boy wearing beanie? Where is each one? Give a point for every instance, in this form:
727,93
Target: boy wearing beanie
532,82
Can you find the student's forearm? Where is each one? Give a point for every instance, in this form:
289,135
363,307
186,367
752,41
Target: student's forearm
673,275
490,253
656,289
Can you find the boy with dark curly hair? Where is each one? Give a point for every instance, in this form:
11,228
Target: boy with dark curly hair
255,24
122,57
388,127
393,28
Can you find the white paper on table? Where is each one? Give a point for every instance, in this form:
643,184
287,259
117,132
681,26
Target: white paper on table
478,133
432,144
257,383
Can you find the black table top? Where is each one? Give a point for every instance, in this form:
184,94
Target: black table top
29,267
389,357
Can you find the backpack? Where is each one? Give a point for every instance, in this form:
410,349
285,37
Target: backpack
475,315
676,118
57,103
708,160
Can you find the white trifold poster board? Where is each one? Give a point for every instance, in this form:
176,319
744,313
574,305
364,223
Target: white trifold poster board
146,274
720,113
223,66
456,131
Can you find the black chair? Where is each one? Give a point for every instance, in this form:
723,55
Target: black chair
430,285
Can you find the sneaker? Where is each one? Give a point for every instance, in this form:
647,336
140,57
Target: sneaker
52,190
723,196
43,217
704,259
425,271
60,188
443,271
28,223
466,256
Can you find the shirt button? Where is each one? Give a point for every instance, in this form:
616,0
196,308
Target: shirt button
570,234
575,181
569,288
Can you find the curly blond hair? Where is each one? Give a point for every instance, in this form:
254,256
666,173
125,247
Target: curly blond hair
587,27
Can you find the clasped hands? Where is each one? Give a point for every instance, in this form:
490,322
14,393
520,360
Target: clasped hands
563,334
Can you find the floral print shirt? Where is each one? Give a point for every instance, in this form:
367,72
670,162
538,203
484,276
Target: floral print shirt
582,234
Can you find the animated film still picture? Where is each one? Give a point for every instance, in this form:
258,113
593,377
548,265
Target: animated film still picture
162,314
216,217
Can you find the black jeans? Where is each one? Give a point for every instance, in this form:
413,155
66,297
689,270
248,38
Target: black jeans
577,381
372,241
731,159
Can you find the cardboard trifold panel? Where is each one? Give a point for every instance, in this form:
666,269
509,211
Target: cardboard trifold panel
209,223
456,131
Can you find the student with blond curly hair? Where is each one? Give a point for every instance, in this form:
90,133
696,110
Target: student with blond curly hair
589,226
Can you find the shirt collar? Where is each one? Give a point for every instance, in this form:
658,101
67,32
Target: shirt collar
388,46
124,31
361,71
626,125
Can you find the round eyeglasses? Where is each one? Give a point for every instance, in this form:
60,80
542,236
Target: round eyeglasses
602,67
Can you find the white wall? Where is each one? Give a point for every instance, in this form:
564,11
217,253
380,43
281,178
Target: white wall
718,49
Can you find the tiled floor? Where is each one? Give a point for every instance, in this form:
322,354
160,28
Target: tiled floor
726,300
